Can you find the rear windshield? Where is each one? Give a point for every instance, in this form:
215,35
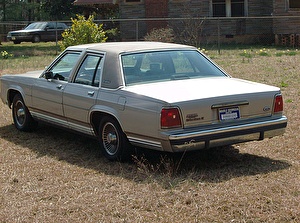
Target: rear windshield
161,66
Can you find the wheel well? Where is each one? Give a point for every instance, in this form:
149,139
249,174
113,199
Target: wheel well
10,96
96,118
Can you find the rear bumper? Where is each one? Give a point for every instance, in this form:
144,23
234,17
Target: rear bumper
228,135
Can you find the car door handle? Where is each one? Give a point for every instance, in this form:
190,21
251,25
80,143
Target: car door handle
59,86
91,93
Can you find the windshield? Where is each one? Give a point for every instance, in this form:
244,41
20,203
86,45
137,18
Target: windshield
167,66
36,25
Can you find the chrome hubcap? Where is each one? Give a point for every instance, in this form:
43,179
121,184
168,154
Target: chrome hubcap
20,113
110,139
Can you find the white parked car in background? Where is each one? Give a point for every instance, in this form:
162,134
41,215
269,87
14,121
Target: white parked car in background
160,96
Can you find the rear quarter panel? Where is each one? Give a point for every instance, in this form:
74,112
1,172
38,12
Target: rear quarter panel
138,115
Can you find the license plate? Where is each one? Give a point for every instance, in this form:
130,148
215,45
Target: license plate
13,38
229,113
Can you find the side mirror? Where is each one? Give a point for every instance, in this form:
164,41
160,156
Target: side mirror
48,75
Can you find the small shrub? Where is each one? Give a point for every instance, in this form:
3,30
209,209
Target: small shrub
5,54
283,84
113,34
263,52
161,35
286,53
83,31
246,54
291,53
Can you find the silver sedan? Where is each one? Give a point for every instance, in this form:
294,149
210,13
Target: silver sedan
160,96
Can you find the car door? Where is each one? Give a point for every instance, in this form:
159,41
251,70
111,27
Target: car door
50,32
80,95
47,94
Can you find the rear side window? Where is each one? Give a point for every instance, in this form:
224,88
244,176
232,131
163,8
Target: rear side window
89,71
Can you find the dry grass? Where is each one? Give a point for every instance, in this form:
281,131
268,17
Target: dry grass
26,56
55,176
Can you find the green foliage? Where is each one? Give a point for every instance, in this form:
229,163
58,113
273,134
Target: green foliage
283,84
246,53
287,53
264,52
5,55
161,35
83,31
59,9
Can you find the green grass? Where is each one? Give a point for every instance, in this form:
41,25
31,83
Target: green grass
26,56
51,175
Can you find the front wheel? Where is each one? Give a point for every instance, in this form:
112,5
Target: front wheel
113,142
21,116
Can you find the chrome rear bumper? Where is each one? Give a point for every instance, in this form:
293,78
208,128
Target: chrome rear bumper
227,135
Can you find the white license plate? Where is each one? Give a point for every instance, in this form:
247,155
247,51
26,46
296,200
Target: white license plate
229,113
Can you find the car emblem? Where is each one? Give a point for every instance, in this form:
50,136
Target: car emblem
193,117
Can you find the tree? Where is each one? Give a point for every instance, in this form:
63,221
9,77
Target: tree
20,10
60,9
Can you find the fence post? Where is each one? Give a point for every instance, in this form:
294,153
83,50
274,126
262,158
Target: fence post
219,40
137,30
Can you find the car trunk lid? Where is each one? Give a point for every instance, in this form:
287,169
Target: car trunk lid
212,100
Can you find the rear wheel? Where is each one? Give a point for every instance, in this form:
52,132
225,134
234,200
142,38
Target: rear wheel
113,142
21,116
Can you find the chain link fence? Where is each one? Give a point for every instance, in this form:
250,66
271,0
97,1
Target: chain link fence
202,32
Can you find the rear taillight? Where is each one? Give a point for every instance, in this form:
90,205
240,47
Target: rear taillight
170,118
278,103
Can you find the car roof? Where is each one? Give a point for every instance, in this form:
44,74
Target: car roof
129,47
112,52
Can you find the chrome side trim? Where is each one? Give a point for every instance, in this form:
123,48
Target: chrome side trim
63,123
150,144
49,119
80,128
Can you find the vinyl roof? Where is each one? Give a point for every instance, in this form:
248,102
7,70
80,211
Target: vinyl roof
123,47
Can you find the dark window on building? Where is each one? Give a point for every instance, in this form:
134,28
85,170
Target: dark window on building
294,4
237,8
219,8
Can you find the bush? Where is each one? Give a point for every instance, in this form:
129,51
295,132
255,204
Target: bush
83,31
5,55
161,35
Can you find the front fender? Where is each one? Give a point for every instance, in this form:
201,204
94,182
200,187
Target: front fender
12,91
